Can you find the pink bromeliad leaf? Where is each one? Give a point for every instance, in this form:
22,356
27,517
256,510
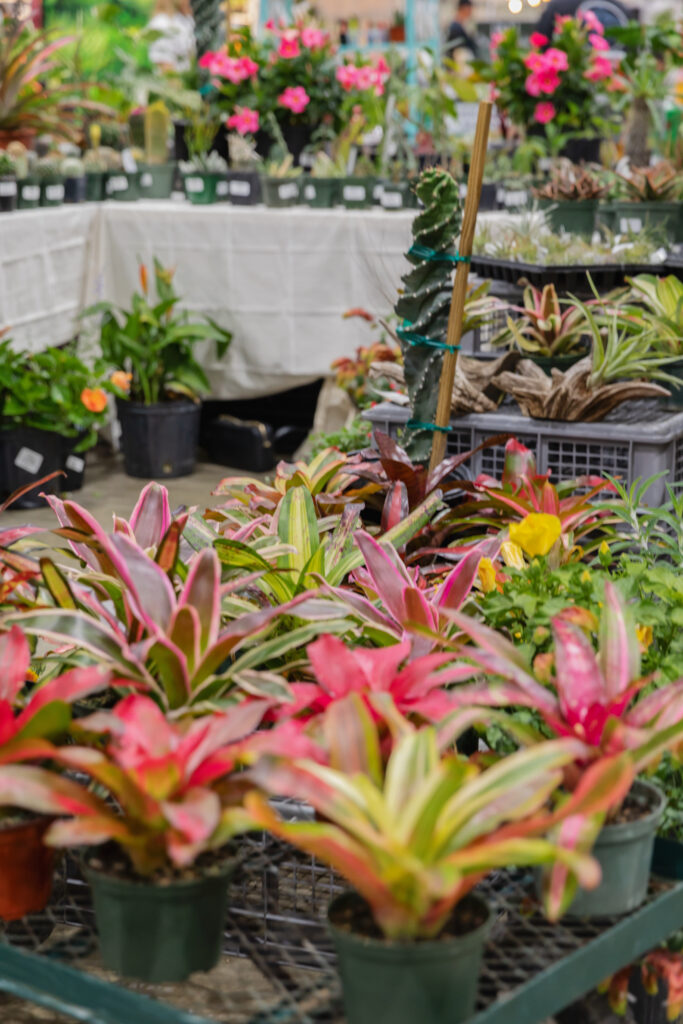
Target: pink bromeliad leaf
151,516
580,684
15,659
619,651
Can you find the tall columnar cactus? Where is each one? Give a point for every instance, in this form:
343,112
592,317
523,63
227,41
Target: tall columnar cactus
425,302
157,125
208,24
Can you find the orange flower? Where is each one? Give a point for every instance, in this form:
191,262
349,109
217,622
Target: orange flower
143,277
94,399
120,379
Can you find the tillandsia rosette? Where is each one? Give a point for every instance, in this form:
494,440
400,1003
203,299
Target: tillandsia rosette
425,302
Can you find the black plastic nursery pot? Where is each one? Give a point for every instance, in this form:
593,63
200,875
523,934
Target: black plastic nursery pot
74,465
8,193
123,187
320,192
95,186
633,217
159,441
160,933
280,191
356,193
433,982
202,189
578,218
244,187
156,181
29,194
624,852
52,192
75,190
26,456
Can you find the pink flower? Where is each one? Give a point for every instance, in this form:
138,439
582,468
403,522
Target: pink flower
313,38
494,92
249,66
289,44
496,39
598,42
592,21
600,69
244,121
537,39
270,25
346,76
556,59
295,98
544,112
560,21
544,81
382,68
534,61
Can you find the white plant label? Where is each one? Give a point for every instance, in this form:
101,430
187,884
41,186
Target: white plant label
288,191
128,161
146,180
500,195
630,224
117,183
515,198
30,193
392,200
8,188
309,191
75,463
378,192
221,188
28,460
354,193
194,184
239,188
55,193
463,191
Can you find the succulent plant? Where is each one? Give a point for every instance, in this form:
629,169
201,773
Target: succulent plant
7,166
48,168
661,183
204,163
243,156
20,156
73,167
570,183
94,162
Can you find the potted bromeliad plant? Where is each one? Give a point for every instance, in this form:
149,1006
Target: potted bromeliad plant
545,332
157,378
413,835
35,717
596,699
157,860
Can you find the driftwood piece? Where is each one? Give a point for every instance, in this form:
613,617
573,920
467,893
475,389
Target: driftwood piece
566,396
473,387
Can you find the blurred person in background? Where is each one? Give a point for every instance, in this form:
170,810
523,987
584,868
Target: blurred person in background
174,48
461,35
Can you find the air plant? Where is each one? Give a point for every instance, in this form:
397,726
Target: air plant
543,327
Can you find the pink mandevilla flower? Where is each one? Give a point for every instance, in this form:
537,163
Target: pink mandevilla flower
593,22
496,39
313,38
295,98
598,42
244,120
538,39
534,61
544,112
600,69
289,44
557,59
346,76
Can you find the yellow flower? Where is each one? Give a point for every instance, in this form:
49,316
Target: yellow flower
537,533
585,576
31,676
512,555
645,637
487,575
604,548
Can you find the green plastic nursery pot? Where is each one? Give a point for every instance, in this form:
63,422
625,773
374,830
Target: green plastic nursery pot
397,195
578,218
624,217
52,192
202,189
159,933
123,187
320,192
29,194
624,852
8,193
280,191
95,186
356,193
433,982
156,181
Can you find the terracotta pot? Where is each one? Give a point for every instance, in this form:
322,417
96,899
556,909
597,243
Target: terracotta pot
25,135
26,866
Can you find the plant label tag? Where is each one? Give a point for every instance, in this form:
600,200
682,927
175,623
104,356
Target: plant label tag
54,193
392,200
28,460
128,161
239,188
627,224
309,192
194,185
8,188
463,191
517,198
30,193
117,183
500,195
221,188
354,193
288,191
146,180
75,463
378,192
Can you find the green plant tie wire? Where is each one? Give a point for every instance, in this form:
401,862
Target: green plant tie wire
424,253
406,334
417,425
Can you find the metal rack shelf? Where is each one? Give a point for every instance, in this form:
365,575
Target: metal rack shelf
278,966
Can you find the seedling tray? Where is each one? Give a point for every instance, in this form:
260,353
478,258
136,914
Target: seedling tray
278,966
567,279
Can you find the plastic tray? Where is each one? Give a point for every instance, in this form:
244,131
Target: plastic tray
566,279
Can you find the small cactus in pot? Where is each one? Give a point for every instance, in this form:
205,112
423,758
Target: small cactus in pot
48,171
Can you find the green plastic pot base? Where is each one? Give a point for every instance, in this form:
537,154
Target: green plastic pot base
578,218
280,191
159,933
407,982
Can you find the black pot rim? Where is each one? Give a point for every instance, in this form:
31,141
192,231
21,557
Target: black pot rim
181,404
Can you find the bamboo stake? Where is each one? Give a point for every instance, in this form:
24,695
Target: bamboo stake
457,310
